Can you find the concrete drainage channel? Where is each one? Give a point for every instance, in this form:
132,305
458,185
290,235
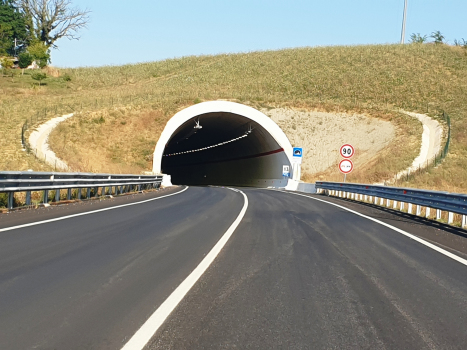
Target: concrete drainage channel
430,204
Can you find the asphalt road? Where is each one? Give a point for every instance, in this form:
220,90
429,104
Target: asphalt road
296,274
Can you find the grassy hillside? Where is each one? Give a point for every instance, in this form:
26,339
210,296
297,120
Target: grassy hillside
123,109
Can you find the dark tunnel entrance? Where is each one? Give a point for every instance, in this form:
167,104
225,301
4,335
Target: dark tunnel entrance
223,149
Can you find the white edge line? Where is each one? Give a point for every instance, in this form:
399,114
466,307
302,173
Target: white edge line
87,213
405,233
139,340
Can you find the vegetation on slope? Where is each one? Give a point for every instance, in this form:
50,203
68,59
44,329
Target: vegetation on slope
114,102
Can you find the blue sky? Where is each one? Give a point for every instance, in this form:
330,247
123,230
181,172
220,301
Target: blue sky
144,30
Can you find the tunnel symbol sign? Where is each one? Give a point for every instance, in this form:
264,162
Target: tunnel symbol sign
297,152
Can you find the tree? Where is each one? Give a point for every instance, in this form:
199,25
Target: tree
12,26
24,60
39,76
40,53
437,37
417,38
50,20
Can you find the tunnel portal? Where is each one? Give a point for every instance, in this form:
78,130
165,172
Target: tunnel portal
223,143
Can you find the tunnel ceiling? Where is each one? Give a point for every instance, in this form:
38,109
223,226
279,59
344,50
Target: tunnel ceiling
221,137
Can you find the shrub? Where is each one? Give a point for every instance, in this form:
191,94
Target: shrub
437,37
24,60
3,200
39,76
417,38
6,63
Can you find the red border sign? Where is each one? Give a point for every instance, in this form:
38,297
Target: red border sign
341,151
345,171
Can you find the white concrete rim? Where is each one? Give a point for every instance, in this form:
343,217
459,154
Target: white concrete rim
219,106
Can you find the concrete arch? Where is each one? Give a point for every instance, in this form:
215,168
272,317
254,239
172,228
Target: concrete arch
231,137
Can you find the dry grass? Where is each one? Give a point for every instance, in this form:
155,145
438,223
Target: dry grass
362,79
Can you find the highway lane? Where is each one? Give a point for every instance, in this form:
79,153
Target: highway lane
302,274
296,274
89,282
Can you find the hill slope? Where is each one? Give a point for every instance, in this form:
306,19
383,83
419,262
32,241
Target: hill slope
124,109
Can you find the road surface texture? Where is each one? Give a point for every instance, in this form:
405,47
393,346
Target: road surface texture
296,274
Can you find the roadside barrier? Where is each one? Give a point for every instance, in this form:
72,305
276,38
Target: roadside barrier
399,198
93,185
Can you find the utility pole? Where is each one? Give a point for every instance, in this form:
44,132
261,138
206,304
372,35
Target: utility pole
403,22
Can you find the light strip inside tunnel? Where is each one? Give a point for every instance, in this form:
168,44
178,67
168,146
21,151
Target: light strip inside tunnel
206,148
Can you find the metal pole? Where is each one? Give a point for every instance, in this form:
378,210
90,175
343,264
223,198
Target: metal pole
403,22
345,176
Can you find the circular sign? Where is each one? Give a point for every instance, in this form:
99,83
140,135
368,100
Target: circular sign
345,166
347,151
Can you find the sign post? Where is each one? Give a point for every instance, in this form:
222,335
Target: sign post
346,165
297,161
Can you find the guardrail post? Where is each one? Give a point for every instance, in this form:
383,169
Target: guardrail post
79,193
450,218
68,194
438,214
366,198
57,195
46,196
464,221
394,204
381,202
419,210
427,212
402,206
88,192
409,209
11,199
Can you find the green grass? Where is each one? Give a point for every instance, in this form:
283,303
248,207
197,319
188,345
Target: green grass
370,79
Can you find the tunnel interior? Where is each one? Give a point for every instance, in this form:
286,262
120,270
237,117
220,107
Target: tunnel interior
223,148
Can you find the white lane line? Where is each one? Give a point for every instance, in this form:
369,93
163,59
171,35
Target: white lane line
405,233
88,212
150,327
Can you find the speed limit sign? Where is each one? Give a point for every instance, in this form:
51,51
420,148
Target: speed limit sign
347,151
345,166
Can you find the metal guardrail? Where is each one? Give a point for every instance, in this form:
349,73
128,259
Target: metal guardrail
18,181
441,201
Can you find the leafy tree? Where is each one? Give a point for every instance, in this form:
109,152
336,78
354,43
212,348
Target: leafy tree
40,53
50,20
12,26
417,38
24,60
437,37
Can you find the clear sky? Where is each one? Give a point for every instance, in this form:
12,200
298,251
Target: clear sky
150,30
